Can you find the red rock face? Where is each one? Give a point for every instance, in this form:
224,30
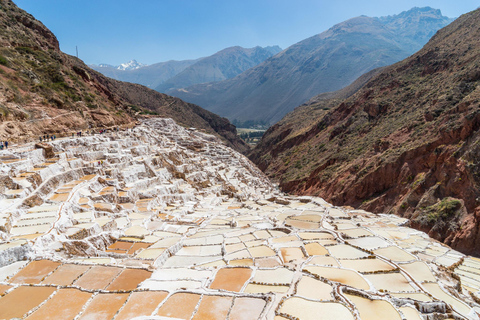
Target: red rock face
405,143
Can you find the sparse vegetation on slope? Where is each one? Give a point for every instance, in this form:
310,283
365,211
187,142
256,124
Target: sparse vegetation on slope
405,141
43,90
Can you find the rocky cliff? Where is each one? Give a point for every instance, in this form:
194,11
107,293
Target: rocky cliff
44,91
407,142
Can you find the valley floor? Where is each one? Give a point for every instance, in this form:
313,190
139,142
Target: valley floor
162,222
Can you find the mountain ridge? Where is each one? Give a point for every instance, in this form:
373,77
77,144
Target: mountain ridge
325,62
224,64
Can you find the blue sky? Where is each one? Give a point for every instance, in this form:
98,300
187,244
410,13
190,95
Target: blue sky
116,31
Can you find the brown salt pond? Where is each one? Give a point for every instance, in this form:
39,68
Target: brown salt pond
15,305
246,308
65,274
4,288
97,278
129,279
231,279
141,303
59,197
65,304
104,306
311,310
137,246
213,308
34,272
315,249
188,301
120,245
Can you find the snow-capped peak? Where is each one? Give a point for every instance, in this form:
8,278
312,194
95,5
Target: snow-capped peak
131,65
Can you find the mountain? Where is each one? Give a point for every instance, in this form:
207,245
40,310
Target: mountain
131,65
323,63
150,76
222,65
407,142
43,90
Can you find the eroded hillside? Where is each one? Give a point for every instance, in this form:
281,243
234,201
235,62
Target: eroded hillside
44,91
406,143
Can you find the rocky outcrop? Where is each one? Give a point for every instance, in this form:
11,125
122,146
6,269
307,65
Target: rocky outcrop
405,143
47,149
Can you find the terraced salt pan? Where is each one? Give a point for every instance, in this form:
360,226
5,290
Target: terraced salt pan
419,271
314,289
345,251
395,254
374,309
104,306
231,279
15,304
344,276
35,272
97,277
188,301
435,290
141,304
65,304
230,249
310,310
392,282
65,274
324,261
263,288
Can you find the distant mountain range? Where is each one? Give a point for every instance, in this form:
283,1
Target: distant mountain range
150,76
130,65
222,65
325,62
170,75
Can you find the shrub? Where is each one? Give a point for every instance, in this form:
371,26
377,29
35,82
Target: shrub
3,61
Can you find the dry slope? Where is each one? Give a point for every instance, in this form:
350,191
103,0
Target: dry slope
406,143
43,90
